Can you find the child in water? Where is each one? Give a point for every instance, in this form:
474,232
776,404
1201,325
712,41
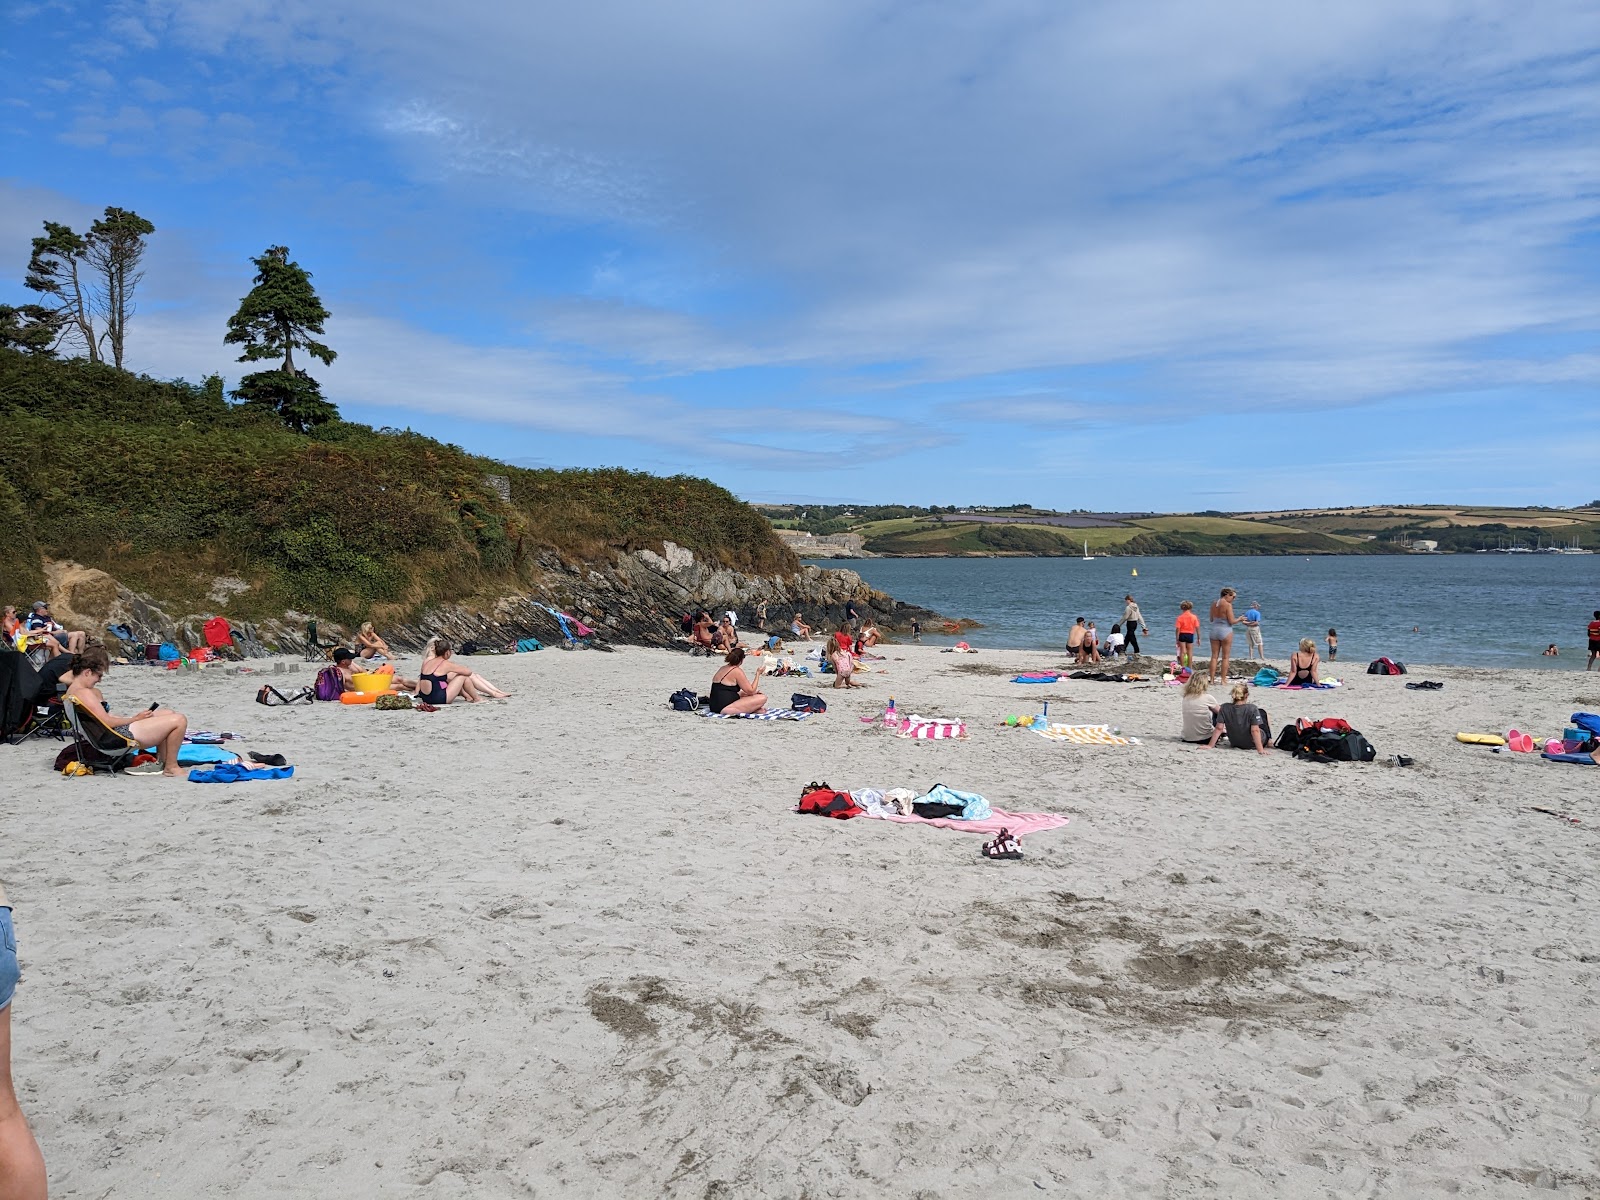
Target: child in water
1333,644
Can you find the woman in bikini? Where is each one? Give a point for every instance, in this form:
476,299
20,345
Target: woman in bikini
1222,623
732,691
370,644
161,728
1303,664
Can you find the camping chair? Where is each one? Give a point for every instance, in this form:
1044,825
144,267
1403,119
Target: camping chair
318,651
19,684
47,719
99,746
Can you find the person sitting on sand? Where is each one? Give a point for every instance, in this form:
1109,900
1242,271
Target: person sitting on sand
1091,643
732,691
1243,723
40,621
1075,641
1199,711
369,644
800,629
161,728
702,635
1550,651
869,635
1303,664
10,623
441,680
1114,640
726,636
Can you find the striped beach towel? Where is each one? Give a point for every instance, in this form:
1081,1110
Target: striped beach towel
1085,735
772,714
932,729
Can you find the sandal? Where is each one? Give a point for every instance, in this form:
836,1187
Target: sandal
1003,846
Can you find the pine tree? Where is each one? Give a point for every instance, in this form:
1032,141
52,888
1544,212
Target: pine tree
273,321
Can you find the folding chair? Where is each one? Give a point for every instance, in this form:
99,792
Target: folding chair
99,746
318,651
48,719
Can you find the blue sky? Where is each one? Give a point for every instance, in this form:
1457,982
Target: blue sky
1132,254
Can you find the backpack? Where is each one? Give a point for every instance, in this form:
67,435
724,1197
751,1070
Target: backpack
1328,740
528,645
330,684
801,702
684,700
1385,666
272,697
469,647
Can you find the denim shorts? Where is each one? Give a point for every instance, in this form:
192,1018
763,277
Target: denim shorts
8,959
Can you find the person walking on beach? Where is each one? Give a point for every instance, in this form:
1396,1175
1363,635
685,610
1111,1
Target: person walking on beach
1132,622
1222,623
1594,640
1188,627
22,1174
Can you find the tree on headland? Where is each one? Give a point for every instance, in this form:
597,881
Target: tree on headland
275,319
115,248
56,272
82,277
31,328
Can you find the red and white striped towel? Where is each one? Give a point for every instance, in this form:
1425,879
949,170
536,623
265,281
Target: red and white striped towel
933,729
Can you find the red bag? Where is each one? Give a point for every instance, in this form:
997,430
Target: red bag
829,804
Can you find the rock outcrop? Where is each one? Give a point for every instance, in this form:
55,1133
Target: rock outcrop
637,600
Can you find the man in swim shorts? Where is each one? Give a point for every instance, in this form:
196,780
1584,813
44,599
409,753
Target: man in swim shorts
1188,627
1594,640
21,1165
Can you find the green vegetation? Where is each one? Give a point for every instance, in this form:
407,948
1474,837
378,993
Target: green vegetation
937,530
167,486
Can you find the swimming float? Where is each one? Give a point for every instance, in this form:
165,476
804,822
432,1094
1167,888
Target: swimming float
1481,739
357,697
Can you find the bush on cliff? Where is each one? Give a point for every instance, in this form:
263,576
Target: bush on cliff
166,485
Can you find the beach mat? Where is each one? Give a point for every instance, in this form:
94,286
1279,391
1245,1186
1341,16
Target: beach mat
1584,760
1085,735
772,714
1020,824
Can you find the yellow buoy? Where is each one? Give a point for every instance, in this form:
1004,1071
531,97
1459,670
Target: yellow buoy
1136,570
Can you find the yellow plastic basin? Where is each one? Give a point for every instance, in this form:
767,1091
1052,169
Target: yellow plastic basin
372,685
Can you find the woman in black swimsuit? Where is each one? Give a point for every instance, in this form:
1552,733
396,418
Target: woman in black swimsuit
731,691
1303,665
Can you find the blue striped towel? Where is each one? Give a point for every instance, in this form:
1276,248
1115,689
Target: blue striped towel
772,714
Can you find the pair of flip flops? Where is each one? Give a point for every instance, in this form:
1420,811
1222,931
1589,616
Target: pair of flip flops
1004,845
269,760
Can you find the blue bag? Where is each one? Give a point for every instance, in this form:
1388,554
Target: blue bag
1588,721
169,652
525,645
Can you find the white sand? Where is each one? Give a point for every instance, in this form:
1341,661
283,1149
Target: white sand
577,945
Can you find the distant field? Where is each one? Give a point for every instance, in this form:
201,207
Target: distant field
1216,526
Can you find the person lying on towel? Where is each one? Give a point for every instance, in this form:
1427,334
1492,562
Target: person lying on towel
732,691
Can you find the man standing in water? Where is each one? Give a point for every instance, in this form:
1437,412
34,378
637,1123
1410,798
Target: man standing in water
1594,640
1132,622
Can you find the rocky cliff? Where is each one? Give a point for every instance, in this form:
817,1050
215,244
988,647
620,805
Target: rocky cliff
637,600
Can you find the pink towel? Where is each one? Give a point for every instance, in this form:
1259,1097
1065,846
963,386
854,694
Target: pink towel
1020,824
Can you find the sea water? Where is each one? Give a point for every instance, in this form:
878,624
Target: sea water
1489,610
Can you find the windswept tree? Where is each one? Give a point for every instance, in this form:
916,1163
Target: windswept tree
115,249
31,328
58,273
83,277
277,318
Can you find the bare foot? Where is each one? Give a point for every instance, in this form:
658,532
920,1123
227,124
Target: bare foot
173,772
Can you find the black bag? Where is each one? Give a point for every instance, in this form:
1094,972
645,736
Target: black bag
469,647
1385,666
801,702
684,700
1322,746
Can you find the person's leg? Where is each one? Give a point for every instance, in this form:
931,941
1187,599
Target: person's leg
747,704
1227,649
163,729
484,688
22,1175
76,641
455,687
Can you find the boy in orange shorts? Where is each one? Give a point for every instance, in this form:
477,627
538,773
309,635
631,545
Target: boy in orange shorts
1188,626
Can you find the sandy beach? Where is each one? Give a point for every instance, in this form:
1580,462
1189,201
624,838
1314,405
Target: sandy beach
577,944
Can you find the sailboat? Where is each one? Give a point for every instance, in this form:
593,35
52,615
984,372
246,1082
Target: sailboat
1087,557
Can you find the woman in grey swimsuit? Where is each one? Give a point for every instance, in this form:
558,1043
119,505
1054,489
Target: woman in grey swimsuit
1222,623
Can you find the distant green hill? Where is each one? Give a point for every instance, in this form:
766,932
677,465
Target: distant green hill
167,487
1021,530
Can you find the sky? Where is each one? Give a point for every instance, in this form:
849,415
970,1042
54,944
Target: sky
1124,255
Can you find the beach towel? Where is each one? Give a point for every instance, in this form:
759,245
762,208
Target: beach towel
1584,759
237,773
932,729
1020,824
1323,685
199,754
1084,735
1037,679
772,714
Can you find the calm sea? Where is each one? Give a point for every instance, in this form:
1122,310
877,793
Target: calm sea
1459,609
